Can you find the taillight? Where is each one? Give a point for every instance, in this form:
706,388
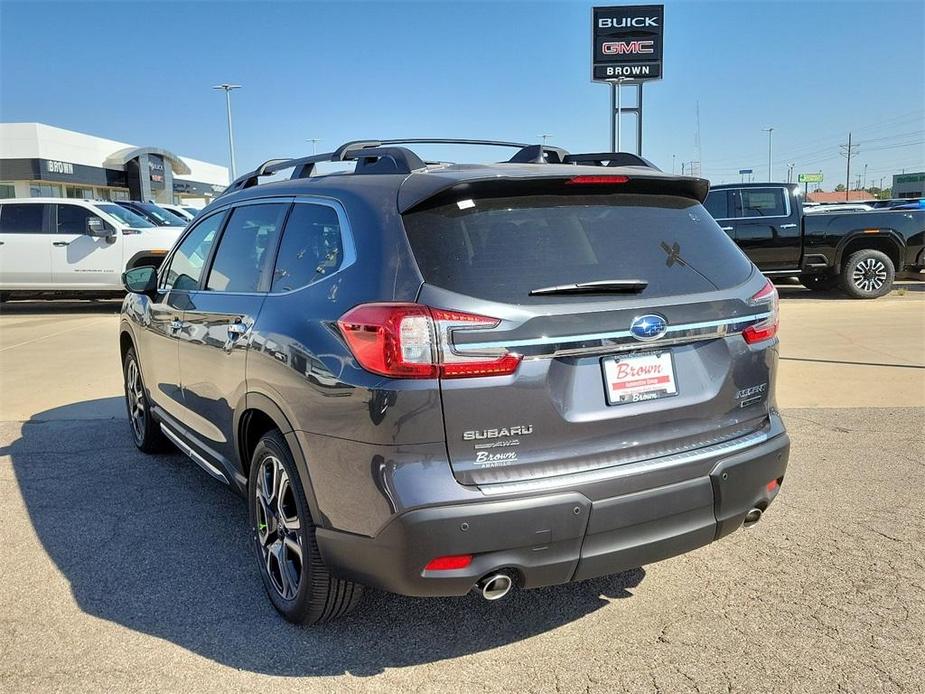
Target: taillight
767,328
596,180
416,341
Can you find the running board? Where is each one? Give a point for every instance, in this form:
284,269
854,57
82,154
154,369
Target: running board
198,459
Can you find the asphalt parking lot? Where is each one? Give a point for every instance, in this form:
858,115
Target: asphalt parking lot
123,572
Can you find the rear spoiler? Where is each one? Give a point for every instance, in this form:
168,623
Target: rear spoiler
419,192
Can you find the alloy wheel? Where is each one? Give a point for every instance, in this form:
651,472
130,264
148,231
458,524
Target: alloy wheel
869,274
135,398
278,528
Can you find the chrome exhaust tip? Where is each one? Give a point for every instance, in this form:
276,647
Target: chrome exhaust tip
752,517
495,586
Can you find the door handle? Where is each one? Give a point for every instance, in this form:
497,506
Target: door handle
236,329
59,244
176,325
727,228
788,226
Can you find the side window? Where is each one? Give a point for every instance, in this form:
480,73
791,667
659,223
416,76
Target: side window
245,247
311,247
717,204
190,257
21,219
761,202
72,219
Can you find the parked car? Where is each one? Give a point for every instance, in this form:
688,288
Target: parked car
155,214
180,211
75,247
859,251
434,378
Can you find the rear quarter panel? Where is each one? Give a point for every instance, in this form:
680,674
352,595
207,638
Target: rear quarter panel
829,233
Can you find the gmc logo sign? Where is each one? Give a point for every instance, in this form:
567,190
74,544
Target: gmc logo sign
627,47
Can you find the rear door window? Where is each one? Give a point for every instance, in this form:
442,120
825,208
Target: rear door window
311,247
245,248
761,202
21,218
501,248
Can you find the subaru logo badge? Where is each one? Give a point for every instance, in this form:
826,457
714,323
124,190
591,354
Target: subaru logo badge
649,327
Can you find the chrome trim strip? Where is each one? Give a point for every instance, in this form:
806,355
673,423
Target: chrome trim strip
198,459
625,470
616,335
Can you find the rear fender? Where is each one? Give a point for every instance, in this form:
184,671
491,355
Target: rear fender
258,401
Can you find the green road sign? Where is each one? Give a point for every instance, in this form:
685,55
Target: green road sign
810,178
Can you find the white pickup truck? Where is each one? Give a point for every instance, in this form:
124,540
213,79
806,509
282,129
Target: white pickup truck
74,247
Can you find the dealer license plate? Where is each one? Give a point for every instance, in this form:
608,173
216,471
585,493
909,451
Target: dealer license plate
639,377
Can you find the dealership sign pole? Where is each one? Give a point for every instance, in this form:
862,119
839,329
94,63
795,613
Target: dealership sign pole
626,48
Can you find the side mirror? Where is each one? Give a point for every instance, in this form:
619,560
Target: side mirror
97,227
140,280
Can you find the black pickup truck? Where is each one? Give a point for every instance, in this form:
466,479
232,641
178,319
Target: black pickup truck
859,251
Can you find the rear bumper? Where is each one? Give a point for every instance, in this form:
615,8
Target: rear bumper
562,536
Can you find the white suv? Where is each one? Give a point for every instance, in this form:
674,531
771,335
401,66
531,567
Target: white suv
74,246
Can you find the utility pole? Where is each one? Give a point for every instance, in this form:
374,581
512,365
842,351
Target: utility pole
770,174
314,141
227,89
545,137
790,168
848,151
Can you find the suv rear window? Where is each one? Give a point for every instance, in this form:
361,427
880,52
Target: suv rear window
501,248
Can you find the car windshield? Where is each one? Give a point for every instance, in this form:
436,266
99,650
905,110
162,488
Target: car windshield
126,216
162,216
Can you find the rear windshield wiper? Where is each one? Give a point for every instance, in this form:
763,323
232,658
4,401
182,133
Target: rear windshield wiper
596,287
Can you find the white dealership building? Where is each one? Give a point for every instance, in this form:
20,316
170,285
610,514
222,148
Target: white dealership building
38,160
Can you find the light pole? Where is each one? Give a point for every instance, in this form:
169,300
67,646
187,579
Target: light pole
865,176
672,162
227,89
314,141
769,131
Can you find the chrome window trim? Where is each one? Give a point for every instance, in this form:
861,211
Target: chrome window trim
627,469
686,332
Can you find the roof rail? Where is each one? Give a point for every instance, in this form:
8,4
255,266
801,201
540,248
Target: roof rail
382,156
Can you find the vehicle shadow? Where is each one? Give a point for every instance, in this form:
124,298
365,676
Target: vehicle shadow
76,306
154,544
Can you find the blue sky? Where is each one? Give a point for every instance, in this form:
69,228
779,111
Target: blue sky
141,72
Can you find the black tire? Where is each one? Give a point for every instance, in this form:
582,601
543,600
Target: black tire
283,537
146,433
819,282
867,274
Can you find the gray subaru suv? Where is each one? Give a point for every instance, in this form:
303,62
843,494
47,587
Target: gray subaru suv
432,378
